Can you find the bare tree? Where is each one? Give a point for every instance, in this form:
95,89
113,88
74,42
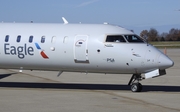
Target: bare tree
153,35
174,34
163,36
144,34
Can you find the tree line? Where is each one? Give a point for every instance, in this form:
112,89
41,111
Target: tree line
153,35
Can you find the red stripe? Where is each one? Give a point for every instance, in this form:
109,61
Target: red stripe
44,55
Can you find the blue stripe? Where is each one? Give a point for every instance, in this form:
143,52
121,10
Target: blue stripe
37,46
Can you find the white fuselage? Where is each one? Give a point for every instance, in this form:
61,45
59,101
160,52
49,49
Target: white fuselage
75,47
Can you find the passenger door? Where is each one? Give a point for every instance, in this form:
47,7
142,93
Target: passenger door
80,49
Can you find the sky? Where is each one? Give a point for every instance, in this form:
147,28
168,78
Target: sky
136,15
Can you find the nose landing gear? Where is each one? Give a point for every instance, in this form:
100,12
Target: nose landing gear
136,87
134,82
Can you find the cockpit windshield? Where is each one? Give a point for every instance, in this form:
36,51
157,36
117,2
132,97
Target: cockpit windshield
115,38
133,39
124,39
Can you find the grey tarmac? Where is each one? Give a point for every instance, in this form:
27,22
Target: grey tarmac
43,91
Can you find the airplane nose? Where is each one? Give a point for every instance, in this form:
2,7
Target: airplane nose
165,62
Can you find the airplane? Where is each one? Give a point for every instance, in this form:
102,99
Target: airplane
88,48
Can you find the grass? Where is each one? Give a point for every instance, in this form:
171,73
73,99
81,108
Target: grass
167,44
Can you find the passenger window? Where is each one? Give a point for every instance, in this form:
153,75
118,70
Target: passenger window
31,39
65,40
115,38
18,38
7,38
133,39
53,39
42,39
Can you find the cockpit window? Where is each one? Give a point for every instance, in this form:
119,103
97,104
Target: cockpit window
133,39
115,38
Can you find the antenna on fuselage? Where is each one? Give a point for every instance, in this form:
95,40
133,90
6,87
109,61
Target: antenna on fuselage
64,20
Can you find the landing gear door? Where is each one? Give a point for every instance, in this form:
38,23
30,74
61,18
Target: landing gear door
80,49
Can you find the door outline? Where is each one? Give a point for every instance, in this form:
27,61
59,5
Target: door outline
80,49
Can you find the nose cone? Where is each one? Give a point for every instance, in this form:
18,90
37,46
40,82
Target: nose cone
164,62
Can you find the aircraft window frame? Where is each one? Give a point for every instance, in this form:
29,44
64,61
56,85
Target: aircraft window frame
6,38
18,38
133,39
31,39
53,39
65,40
115,39
43,38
